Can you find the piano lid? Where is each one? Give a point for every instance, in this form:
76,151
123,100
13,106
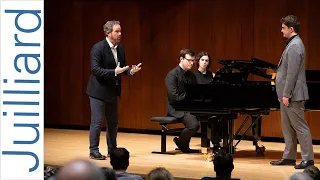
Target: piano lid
254,62
254,66
261,68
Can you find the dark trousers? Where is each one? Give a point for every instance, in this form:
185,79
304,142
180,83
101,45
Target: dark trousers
191,127
100,111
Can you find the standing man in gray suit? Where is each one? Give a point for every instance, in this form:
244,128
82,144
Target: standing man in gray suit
292,93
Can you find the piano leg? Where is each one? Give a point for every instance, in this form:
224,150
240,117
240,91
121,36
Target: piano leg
205,142
257,136
255,118
230,147
228,132
229,142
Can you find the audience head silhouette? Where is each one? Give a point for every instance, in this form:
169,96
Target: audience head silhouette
313,172
160,174
300,176
109,173
119,158
223,165
80,170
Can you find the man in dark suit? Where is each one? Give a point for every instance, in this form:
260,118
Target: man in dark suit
292,93
175,81
108,63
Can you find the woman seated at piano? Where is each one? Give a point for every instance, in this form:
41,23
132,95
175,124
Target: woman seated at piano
205,76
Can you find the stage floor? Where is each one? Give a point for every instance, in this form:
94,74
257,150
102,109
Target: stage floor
64,145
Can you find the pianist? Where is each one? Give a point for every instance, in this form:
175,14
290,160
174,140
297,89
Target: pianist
175,81
204,76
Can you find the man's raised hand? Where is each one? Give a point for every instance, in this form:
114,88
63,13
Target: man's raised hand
119,69
136,68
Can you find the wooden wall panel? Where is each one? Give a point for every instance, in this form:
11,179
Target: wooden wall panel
165,31
154,33
226,35
223,34
268,46
63,64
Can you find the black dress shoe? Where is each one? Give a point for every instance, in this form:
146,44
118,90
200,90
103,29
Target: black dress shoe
97,155
184,150
304,164
283,162
176,141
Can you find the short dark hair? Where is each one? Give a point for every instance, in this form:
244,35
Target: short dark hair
119,158
109,173
184,52
223,164
291,21
199,55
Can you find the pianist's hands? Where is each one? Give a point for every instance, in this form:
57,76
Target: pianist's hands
285,101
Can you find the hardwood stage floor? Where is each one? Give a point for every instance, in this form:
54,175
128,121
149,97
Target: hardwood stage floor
64,145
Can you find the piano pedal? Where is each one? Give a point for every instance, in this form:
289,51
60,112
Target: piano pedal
208,157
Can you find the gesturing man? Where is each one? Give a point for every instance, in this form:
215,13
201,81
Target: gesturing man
108,63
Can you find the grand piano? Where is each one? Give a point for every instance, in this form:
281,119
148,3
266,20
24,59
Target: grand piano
231,94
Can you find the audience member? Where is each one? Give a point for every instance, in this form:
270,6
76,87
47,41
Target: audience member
223,166
109,174
49,172
159,174
119,160
300,176
79,169
313,172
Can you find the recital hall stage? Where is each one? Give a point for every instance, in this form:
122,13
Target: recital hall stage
64,145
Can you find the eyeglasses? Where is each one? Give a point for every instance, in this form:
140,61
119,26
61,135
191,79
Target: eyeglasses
190,60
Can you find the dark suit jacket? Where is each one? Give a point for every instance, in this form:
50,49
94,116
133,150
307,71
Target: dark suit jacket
175,81
103,83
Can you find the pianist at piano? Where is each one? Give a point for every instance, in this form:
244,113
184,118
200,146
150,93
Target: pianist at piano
231,94
205,76
175,82
292,92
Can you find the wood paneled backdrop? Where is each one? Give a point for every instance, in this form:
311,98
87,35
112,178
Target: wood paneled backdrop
153,33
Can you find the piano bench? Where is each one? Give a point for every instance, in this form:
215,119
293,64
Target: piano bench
164,121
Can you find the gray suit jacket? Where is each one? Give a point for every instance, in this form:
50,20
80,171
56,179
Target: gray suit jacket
291,77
